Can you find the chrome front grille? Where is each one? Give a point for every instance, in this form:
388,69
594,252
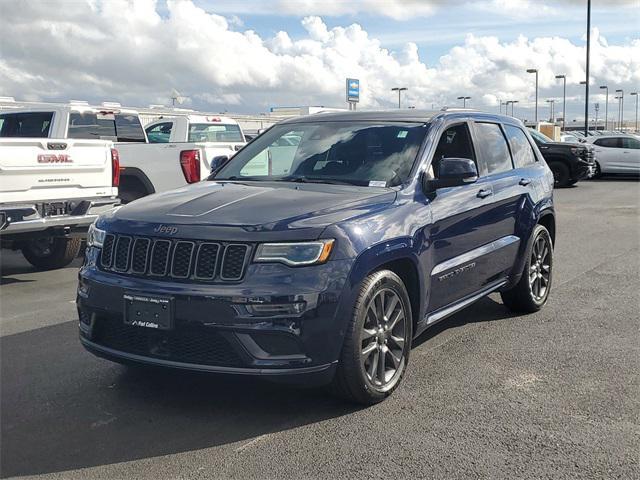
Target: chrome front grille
174,259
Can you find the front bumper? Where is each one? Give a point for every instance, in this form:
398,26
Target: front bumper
279,322
34,217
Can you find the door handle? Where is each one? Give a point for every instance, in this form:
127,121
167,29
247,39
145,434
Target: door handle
525,181
484,193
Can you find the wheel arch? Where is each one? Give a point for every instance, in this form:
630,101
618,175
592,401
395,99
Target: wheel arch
132,176
398,256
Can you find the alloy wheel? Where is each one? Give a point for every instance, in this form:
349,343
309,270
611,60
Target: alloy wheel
540,268
383,339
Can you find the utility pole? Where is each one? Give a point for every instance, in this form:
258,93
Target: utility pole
586,100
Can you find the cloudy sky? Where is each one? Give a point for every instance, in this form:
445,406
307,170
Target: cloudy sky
248,56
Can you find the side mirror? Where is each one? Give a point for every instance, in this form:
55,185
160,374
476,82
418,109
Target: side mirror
218,162
452,172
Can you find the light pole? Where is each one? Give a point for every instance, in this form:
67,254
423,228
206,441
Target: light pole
399,90
506,108
606,106
564,98
635,94
464,101
586,100
551,103
535,70
586,113
618,119
621,107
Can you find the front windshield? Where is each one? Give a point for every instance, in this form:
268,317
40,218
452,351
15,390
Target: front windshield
214,132
368,154
541,137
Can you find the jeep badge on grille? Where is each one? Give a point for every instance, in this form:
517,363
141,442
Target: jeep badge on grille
166,229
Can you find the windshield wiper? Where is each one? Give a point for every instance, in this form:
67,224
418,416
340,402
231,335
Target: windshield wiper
305,179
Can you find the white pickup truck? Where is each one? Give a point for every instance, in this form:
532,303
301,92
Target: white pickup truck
51,187
181,149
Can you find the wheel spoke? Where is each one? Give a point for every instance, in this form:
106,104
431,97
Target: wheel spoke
382,366
392,324
366,351
390,307
379,307
398,341
394,359
373,365
368,333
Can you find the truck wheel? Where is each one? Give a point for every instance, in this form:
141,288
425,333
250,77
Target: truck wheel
377,341
51,252
561,174
532,291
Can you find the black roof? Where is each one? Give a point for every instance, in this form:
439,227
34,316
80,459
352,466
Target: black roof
406,115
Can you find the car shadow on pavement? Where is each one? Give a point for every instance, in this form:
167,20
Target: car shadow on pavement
64,409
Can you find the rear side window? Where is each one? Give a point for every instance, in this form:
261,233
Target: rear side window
214,132
32,124
632,143
493,148
609,142
105,126
520,147
160,133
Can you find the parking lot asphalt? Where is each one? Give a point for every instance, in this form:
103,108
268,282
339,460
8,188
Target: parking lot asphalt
488,394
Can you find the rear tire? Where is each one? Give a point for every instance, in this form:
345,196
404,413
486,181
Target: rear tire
49,253
532,291
377,341
598,172
561,174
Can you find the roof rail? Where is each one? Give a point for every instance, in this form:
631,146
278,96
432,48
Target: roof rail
457,109
7,99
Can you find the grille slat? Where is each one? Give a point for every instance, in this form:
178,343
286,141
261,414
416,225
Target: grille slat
160,257
233,262
123,247
107,250
181,266
140,254
207,260
174,259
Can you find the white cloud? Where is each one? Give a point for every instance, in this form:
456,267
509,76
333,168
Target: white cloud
125,50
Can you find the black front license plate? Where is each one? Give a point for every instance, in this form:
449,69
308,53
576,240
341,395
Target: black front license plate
148,311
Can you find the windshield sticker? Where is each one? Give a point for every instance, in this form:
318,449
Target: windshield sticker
377,183
403,133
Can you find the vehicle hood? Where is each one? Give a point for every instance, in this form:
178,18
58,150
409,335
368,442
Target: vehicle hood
241,211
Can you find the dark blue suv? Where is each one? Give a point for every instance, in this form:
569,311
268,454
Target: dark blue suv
323,248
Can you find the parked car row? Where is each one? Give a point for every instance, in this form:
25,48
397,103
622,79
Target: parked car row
63,165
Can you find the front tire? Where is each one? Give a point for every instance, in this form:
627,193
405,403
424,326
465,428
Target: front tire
49,253
532,291
377,341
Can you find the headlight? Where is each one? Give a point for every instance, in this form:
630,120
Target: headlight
295,254
95,236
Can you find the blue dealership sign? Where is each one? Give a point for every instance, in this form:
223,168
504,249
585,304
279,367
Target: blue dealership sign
353,90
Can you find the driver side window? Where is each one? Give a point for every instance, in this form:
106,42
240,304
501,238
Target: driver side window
455,142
